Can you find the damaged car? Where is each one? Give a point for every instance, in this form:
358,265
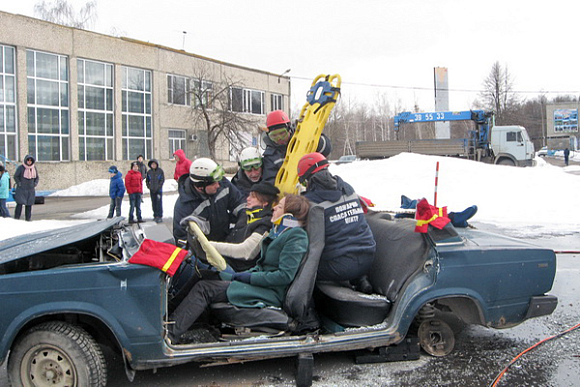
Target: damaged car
67,293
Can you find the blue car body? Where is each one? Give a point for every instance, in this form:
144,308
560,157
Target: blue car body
81,275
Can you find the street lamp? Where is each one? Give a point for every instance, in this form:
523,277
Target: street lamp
284,73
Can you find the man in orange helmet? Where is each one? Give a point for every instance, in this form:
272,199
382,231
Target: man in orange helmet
279,133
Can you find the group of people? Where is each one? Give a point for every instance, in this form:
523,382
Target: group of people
263,251
133,185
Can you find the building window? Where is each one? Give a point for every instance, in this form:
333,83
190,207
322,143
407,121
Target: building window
277,101
48,110
7,104
176,141
137,120
247,101
202,90
177,88
95,113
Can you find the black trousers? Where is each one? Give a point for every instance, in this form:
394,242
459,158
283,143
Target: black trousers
346,268
204,293
27,212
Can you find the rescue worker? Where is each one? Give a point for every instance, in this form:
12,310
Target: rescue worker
210,198
279,133
250,172
349,246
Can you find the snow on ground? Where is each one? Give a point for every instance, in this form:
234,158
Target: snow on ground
528,202
100,187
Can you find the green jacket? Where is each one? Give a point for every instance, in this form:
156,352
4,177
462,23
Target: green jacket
274,271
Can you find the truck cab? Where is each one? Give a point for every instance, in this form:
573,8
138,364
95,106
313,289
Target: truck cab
511,145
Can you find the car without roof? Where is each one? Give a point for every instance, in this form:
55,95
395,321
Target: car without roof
68,292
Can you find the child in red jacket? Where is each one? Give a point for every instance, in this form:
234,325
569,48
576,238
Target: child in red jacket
134,185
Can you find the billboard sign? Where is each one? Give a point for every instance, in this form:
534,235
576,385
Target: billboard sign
566,121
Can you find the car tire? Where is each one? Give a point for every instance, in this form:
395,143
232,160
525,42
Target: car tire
57,354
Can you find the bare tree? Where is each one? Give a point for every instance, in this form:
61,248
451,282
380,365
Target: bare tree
218,111
498,94
61,12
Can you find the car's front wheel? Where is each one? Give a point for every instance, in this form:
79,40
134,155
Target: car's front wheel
57,354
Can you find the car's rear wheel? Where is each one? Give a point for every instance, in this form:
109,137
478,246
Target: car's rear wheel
436,337
57,354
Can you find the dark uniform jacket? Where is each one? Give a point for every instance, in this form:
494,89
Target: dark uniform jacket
219,210
242,183
274,155
347,232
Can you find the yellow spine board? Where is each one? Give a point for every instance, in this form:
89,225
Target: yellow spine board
311,122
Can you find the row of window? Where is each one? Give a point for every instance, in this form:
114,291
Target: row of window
48,107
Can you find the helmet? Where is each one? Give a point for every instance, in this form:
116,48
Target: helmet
277,117
310,164
204,171
250,157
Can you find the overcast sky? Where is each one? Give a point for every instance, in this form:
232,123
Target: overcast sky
392,45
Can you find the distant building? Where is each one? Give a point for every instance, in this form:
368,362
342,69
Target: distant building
79,101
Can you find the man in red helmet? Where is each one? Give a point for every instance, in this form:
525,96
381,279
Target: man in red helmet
279,132
349,246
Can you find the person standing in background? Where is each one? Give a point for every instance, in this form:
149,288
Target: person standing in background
134,186
25,182
155,179
182,166
142,167
116,191
4,189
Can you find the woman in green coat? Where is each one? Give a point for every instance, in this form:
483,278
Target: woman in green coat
263,285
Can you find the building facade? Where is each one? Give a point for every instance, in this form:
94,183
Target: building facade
80,101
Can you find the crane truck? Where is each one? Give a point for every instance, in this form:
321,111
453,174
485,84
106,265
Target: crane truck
506,145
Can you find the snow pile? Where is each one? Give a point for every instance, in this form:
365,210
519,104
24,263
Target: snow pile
100,187
527,202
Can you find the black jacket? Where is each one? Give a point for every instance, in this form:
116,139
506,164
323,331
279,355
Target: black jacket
257,220
274,155
155,178
242,183
346,229
220,210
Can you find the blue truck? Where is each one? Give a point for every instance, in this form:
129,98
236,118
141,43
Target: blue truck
68,293
494,144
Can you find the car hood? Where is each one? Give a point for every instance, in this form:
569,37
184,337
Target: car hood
30,244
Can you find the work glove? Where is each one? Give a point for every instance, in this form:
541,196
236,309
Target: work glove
242,277
201,222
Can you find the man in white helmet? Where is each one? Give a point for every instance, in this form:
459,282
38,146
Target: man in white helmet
250,172
210,198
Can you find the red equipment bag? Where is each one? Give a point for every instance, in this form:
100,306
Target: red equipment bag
164,256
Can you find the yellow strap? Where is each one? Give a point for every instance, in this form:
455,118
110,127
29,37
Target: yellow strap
171,259
422,222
